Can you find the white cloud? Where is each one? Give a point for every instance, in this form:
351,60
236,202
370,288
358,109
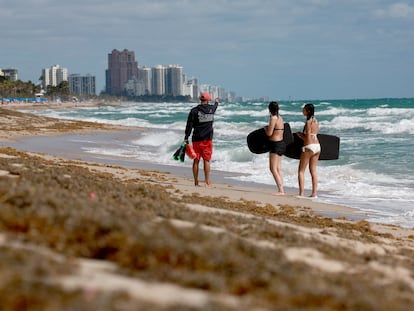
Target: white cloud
397,10
219,41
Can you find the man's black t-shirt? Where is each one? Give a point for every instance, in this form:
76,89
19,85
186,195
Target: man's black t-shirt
201,118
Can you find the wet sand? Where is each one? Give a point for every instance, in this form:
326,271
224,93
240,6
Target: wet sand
99,234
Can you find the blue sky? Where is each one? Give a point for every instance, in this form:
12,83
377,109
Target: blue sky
297,49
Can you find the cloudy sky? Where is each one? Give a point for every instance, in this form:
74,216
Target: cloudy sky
297,49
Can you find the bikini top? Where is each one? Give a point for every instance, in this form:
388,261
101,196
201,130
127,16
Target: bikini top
276,129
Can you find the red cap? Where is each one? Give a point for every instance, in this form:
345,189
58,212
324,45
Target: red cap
205,96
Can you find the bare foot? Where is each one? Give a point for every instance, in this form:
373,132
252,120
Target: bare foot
279,193
209,185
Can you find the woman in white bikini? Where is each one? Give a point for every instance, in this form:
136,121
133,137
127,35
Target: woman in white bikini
310,151
277,146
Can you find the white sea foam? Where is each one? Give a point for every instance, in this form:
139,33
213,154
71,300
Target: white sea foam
390,112
374,172
252,113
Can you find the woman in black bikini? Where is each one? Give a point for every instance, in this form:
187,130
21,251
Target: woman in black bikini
277,146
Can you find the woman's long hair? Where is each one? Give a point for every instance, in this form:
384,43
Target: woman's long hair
274,108
310,109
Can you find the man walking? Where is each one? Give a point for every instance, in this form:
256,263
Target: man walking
201,119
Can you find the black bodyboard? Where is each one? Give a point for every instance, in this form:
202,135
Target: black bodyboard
329,147
258,141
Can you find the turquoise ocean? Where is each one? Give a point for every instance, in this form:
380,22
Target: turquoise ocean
374,173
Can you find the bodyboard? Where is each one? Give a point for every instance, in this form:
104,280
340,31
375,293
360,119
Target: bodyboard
258,141
329,147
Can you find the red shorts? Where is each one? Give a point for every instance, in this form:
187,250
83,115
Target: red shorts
203,149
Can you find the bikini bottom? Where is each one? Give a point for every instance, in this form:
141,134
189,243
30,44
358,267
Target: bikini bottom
315,148
278,147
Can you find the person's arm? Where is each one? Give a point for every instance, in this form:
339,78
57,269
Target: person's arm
307,132
216,102
301,135
270,128
189,126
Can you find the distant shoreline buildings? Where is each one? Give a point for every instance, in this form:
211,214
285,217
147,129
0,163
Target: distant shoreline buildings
82,85
9,73
124,77
78,84
54,76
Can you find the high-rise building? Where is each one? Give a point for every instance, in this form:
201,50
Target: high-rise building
158,80
191,87
174,80
82,85
54,76
144,74
214,90
10,74
121,68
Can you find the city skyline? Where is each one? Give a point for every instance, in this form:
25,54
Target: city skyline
167,80
281,49
123,75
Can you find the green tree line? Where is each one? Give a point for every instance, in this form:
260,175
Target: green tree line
12,89
18,88
62,91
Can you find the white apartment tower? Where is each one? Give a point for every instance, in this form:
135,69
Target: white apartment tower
174,80
144,74
191,87
54,76
158,80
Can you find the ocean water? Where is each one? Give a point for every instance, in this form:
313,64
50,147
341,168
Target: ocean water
374,173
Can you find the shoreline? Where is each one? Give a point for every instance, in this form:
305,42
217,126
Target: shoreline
82,232
62,145
384,211
53,105
105,132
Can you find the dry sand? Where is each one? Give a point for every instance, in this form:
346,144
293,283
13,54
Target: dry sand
78,235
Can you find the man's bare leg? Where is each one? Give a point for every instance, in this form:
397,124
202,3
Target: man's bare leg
195,171
207,173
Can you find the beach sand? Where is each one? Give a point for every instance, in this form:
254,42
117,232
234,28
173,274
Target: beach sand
93,235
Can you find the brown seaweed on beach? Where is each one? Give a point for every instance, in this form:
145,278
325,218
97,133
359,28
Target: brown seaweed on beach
90,236
153,237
